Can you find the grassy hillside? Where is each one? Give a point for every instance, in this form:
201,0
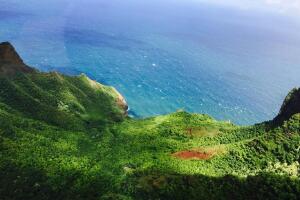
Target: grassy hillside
69,102
67,137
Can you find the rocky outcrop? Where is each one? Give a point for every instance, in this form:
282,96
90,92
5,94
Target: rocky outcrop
121,102
290,107
10,61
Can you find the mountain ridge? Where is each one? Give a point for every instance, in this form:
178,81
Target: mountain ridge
69,137
290,106
10,61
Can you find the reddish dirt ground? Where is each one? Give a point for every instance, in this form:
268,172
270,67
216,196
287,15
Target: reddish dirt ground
186,155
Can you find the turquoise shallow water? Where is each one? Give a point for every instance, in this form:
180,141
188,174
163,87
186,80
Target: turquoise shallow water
164,55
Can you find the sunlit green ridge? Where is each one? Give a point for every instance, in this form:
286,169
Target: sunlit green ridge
65,137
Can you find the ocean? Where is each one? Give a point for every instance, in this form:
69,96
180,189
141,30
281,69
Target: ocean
164,55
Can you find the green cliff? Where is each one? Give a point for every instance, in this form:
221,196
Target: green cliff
290,107
65,137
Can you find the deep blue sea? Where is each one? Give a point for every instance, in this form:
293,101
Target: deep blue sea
164,55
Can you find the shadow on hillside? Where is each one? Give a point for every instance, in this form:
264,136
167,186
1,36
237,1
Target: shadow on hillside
176,186
31,183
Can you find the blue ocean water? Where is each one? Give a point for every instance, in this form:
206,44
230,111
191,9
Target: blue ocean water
165,55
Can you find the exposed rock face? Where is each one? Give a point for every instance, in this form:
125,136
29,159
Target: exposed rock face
121,102
291,106
10,61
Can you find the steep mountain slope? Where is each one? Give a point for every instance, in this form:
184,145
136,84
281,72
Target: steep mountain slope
70,102
291,106
67,137
10,61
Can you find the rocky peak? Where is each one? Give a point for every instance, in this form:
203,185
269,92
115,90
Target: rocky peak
10,61
290,107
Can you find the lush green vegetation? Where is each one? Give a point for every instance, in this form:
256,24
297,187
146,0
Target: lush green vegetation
68,138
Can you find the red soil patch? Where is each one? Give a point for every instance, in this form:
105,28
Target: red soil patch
186,155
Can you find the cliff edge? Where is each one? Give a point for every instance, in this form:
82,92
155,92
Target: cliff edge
55,98
10,61
290,107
